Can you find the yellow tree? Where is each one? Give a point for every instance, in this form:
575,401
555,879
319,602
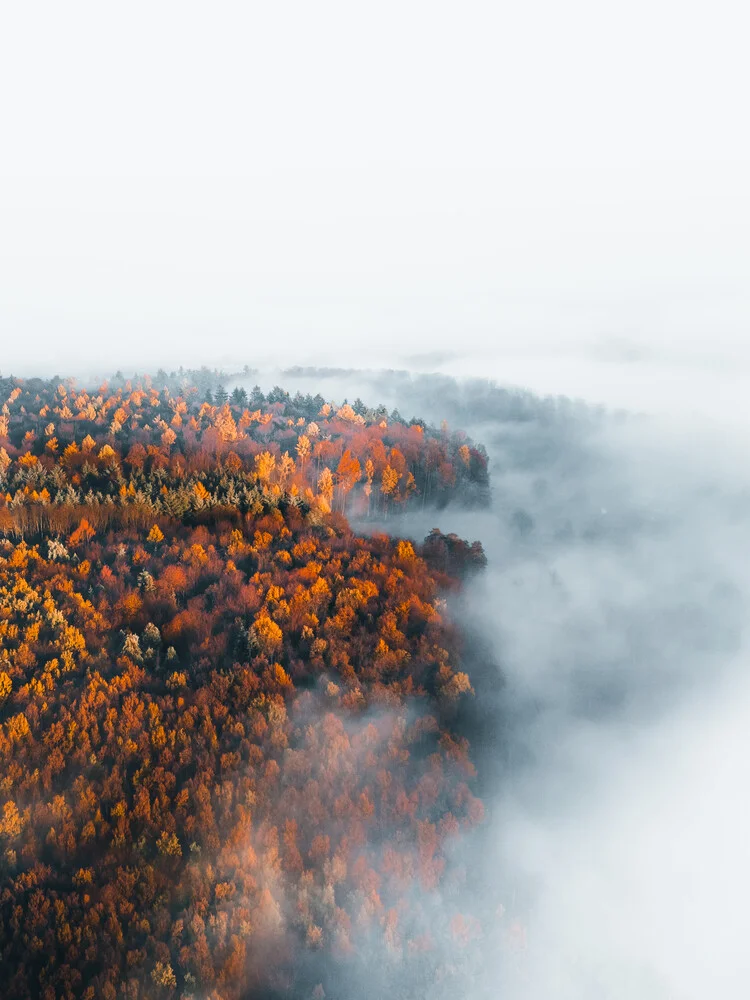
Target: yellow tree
265,463
303,448
369,473
346,413
168,438
325,486
225,424
389,480
12,822
348,473
287,468
267,633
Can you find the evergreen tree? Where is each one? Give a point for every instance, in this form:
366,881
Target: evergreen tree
278,395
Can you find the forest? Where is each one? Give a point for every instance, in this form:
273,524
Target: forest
229,758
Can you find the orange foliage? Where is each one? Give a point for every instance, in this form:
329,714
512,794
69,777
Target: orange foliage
226,719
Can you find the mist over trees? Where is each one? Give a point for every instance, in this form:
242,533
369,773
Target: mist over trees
266,730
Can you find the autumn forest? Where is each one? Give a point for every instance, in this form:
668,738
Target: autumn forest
229,751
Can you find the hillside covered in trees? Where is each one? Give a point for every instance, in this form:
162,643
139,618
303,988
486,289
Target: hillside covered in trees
227,740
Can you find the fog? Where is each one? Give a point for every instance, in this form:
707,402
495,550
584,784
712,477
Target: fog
609,657
555,197
623,808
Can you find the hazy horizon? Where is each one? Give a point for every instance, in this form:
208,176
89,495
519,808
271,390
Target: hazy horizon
552,198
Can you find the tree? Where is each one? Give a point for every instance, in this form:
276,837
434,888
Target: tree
325,486
163,975
267,634
6,686
168,438
389,481
348,474
12,822
82,534
303,448
265,463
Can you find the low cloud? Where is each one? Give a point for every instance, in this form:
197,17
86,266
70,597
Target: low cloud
611,721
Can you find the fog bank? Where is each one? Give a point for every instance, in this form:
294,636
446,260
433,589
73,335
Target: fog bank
613,703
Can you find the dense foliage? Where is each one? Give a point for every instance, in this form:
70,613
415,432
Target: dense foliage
225,719
134,453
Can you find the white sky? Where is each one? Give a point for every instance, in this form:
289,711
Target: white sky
538,186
